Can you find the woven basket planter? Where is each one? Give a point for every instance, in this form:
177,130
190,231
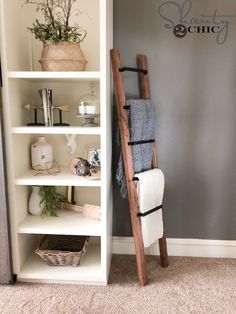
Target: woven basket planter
62,250
65,56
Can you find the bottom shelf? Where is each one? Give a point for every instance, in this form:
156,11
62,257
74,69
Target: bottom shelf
89,271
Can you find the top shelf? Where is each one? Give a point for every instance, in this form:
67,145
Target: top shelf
58,76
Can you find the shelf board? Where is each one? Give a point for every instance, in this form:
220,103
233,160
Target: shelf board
89,270
67,222
56,130
64,178
52,76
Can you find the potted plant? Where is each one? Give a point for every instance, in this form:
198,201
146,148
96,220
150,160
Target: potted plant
50,200
61,41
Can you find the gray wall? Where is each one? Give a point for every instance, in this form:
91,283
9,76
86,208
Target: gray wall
193,84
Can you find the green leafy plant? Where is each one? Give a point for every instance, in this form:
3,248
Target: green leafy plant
56,28
50,200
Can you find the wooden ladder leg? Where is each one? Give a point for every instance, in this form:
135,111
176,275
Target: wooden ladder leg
163,252
138,239
128,162
144,86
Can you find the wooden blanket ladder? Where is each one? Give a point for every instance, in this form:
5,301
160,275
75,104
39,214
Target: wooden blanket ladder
142,70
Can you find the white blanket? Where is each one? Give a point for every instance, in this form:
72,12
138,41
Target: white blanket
150,189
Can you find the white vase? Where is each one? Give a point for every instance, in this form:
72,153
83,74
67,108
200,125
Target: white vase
34,202
41,154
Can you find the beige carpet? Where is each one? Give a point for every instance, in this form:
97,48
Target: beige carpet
188,285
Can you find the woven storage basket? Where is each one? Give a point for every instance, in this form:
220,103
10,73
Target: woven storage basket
65,56
62,250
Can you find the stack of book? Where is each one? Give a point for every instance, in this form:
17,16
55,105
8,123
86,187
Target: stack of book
46,95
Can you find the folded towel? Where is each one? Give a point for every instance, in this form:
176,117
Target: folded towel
150,190
141,118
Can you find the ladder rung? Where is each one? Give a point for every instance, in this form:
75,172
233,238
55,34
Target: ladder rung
133,70
149,211
141,142
126,107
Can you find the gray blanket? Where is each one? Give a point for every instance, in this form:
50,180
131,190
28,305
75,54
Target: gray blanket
141,116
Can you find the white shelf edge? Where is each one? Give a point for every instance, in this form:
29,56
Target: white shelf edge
54,75
64,178
56,130
67,223
91,281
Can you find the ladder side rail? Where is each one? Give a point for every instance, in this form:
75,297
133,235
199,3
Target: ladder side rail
128,165
144,85
145,93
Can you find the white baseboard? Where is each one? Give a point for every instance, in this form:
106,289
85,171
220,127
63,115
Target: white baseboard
180,247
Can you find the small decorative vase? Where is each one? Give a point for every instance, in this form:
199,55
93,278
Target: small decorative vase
64,56
41,154
35,208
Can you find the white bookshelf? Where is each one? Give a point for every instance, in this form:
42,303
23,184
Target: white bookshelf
22,79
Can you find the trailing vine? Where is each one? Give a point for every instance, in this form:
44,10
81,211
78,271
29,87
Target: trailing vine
50,200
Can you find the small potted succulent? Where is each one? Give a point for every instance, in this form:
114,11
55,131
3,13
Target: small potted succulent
61,41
